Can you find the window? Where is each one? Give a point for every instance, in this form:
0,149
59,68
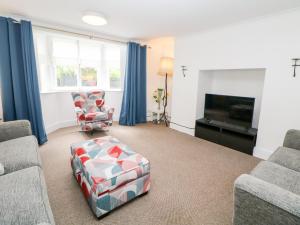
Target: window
69,63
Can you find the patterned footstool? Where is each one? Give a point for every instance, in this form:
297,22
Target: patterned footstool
109,173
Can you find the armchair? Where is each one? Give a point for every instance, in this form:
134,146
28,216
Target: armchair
91,112
270,194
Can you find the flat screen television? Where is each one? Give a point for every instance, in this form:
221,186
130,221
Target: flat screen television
229,109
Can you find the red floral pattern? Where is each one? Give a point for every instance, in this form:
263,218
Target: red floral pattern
91,110
109,173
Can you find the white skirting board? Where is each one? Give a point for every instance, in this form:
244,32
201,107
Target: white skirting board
182,129
53,127
262,153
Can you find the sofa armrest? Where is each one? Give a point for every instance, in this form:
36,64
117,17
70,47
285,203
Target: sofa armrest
259,202
14,129
80,114
292,139
110,111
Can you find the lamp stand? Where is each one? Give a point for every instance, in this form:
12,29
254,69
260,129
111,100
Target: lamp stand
164,115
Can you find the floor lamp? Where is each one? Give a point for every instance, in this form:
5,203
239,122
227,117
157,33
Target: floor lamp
165,69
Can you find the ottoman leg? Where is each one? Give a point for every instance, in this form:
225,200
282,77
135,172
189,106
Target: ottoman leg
103,216
143,194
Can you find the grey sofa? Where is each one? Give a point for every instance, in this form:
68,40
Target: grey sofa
23,192
270,194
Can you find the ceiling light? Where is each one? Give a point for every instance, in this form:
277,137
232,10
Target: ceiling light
93,18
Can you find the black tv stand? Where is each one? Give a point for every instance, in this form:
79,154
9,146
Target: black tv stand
233,136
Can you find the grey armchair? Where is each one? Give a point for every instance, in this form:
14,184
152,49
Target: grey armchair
270,194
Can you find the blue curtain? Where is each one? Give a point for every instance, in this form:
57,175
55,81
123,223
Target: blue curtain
18,74
133,109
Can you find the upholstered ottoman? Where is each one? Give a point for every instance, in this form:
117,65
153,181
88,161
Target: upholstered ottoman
109,173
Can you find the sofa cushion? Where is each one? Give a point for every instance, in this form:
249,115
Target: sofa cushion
90,101
1,169
24,199
96,116
19,153
14,129
287,157
292,139
278,175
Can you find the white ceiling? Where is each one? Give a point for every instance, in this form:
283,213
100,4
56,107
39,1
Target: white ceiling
140,19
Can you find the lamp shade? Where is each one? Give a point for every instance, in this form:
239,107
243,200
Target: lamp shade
166,66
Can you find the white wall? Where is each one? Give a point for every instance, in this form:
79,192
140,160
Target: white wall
270,43
58,108
159,47
245,83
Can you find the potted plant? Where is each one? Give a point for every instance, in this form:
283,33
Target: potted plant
158,96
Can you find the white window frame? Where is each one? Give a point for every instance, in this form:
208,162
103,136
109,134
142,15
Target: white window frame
103,79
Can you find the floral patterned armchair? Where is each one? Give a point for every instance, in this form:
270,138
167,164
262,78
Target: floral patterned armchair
92,114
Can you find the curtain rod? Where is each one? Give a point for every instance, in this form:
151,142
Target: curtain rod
79,34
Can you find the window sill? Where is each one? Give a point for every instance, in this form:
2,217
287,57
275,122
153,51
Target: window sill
74,90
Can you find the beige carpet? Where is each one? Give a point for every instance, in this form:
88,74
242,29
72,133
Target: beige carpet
192,179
